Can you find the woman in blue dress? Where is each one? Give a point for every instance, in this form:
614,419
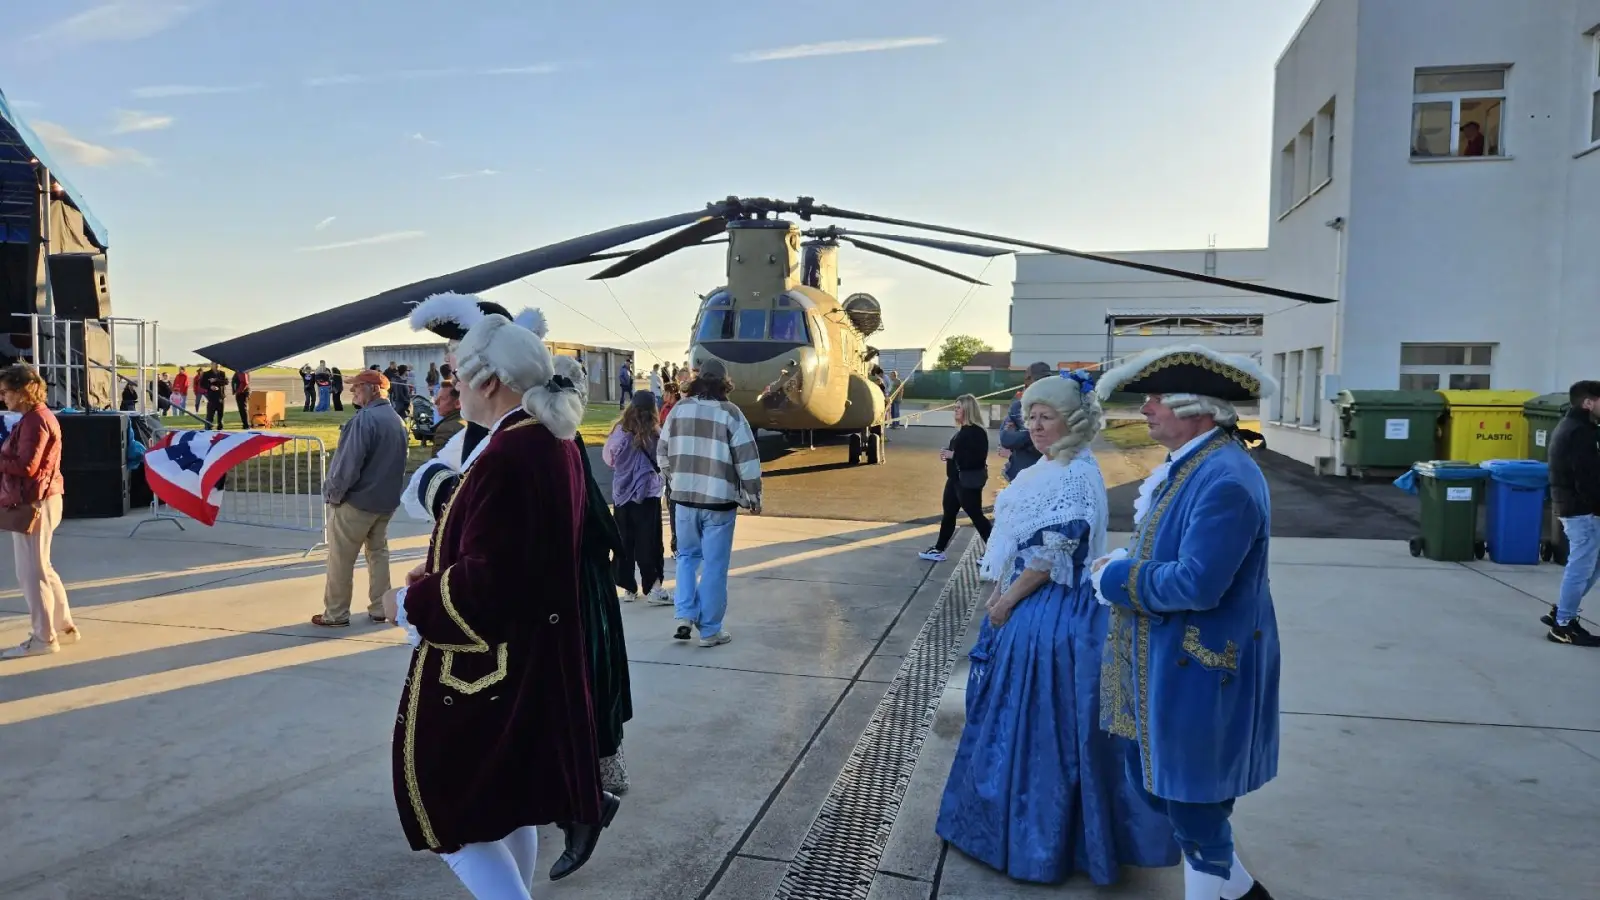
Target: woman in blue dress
1037,790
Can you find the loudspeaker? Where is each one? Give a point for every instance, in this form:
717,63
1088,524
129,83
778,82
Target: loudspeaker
78,284
93,441
94,493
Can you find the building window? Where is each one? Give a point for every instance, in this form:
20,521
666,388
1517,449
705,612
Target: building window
1287,198
1276,413
1458,113
1322,170
1594,90
1291,390
1455,367
1312,414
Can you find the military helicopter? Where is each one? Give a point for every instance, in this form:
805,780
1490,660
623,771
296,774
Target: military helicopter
797,354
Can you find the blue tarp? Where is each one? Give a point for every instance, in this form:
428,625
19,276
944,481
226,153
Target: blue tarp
1443,470
18,145
1521,473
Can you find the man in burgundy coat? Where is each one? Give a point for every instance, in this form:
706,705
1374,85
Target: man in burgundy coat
495,732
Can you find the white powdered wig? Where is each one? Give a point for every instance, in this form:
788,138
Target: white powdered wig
1186,406
533,320
560,406
462,309
1113,380
1079,409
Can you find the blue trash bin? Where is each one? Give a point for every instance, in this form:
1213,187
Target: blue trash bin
1515,510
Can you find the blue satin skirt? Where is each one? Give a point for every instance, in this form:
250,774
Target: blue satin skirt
1038,790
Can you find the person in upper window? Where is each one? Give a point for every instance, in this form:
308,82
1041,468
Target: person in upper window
1473,141
1037,788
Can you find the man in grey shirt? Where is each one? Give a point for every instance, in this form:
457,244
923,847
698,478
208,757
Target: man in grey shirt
362,491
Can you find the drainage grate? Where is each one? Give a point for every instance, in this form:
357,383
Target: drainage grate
839,856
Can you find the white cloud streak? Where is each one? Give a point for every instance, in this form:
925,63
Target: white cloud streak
420,138
118,20
26,104
481,173
347,79
837,48
542,69
82,152
321,226
129,120
386,238
162,91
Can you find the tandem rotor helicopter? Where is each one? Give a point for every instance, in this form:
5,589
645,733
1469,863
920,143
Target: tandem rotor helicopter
796,352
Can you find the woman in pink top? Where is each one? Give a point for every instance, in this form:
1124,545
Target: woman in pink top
30,474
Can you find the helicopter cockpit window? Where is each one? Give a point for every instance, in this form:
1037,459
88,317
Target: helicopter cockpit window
719,300
789,325
752,324
716,325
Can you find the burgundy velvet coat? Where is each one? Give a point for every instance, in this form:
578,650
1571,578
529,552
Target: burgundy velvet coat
496,724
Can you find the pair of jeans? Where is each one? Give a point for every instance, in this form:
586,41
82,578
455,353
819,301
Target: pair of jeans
705,549
1583,564
324,397
639,523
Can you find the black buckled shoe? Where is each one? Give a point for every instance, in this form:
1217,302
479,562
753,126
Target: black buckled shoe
1256,892
582,839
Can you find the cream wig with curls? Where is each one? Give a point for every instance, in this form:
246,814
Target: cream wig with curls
1078,405
515,354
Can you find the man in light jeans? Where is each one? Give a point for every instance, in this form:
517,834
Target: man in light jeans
709,459
362,491
1575,493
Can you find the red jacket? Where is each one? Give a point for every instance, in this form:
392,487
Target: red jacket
30,459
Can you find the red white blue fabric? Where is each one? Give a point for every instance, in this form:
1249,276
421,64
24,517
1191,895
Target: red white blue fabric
183,467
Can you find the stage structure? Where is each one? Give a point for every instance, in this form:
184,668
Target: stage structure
1196,322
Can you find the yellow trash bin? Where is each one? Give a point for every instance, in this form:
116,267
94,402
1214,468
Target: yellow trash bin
1482,425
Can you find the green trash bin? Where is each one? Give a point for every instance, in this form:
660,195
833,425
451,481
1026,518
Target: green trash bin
1543,413
1451,493
1388,429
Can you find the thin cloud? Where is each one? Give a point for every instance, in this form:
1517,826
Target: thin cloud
129,120
380,78
541,69
386,238
837,48
481,173
420,138
163,91
26,104
83,152
321,226
119,20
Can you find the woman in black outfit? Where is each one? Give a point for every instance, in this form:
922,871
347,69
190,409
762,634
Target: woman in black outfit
336,387
966,470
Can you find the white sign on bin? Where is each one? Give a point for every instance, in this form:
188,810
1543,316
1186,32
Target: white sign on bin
1397,429
1458,493
1539,437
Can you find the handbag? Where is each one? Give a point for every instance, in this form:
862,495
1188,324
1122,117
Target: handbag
22,518
972,479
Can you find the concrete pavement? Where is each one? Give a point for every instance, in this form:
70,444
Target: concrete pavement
205,741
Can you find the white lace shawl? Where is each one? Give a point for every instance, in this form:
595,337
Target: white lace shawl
1047,493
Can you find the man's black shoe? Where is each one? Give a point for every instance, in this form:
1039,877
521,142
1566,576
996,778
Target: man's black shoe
1573,633
581,839
1549,618
1256,892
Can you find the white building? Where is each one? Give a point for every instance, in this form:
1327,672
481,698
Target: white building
1060,306
1436,166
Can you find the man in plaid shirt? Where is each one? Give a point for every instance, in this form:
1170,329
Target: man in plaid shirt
708,457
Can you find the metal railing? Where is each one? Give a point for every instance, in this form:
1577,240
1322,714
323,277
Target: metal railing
279,489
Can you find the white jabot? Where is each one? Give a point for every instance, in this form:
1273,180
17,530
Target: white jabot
1153,483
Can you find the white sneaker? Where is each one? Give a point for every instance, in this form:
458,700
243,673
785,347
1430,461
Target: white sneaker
69,637
31,647
721,637
629,597
932,555
659,597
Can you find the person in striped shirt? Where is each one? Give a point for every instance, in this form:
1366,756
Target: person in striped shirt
709,459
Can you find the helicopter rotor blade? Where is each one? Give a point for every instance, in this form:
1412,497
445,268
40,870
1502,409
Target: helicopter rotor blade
618,254
948,246
906,257
834,212
330,326
687,237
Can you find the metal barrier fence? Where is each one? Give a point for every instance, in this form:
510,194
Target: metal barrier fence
279,489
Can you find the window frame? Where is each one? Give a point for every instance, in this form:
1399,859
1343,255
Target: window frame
1279,369
1454,98
1593,94
1444,371
1293,389
1311,404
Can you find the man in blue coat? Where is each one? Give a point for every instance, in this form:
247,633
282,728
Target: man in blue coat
1191,660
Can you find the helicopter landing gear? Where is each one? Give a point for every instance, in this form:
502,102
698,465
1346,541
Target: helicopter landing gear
856,446
875,445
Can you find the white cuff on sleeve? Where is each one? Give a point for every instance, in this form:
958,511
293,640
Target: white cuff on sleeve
412,637
1113,556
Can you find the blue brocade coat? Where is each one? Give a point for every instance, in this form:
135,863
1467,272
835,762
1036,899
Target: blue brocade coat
1191,659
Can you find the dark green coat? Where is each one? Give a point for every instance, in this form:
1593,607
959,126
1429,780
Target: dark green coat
602,616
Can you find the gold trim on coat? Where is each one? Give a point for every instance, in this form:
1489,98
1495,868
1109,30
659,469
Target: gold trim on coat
409,748
1211,659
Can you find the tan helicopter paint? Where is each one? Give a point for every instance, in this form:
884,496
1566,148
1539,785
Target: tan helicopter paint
826,386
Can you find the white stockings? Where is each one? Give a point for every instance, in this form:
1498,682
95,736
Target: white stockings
1201,886
499,870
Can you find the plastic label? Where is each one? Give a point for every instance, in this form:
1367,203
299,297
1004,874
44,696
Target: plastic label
1397,429
1458,493
1539,437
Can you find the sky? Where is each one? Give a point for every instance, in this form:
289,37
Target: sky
259,160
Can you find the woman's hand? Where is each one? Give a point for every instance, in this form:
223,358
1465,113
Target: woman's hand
1000,608
944,455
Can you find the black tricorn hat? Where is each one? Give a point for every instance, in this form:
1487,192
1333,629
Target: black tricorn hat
451,315
1189,369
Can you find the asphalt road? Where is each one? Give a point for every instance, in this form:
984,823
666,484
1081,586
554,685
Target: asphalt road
908,487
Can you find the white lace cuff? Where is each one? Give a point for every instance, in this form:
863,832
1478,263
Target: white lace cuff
1120,553
412,637
1054,562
